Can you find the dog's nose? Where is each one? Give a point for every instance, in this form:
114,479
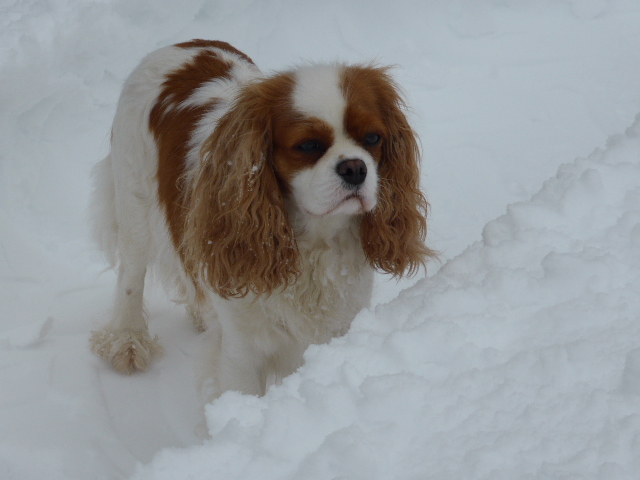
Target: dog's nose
353,171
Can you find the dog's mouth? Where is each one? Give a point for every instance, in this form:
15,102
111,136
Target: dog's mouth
352,204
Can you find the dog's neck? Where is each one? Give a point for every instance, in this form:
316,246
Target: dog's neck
316,230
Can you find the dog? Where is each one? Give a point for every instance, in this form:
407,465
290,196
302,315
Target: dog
265,203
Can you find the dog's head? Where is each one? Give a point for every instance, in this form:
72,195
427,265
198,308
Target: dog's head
321,141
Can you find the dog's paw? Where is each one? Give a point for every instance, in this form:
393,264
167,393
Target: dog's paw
128,352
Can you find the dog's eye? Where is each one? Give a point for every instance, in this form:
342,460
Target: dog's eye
312,146
372,139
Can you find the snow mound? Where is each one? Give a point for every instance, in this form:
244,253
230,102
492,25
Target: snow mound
519,359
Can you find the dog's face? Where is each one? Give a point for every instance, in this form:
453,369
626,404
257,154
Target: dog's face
327,148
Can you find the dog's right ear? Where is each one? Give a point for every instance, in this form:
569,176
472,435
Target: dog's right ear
238,238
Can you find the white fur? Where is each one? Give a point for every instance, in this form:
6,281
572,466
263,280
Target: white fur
317,93
253,339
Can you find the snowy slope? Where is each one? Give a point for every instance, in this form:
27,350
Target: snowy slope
518,358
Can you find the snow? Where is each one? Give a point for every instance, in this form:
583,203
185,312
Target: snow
517,358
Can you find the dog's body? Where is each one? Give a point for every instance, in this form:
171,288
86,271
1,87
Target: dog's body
265,202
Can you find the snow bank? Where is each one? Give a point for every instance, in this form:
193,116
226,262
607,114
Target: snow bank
520,359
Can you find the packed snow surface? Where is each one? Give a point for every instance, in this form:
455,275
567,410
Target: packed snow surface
518,357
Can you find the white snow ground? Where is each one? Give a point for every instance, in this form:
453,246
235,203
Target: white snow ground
518,358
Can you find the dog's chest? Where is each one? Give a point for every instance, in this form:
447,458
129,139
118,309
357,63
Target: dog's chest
335,284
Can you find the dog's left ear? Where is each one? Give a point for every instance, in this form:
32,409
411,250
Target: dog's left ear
393,234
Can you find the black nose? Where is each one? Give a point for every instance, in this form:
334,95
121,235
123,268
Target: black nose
352,171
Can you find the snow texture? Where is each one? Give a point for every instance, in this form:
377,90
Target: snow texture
518,357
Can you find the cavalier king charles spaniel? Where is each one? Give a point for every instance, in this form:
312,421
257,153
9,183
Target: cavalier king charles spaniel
266,203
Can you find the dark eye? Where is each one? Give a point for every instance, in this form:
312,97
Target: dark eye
312,146
372,139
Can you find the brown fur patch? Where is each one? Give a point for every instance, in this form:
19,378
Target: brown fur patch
290,132
173,126
199,43
363,113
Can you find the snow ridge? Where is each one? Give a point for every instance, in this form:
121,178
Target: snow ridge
520,359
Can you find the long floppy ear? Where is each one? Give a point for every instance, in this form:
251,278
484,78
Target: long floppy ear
238,238
393,234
